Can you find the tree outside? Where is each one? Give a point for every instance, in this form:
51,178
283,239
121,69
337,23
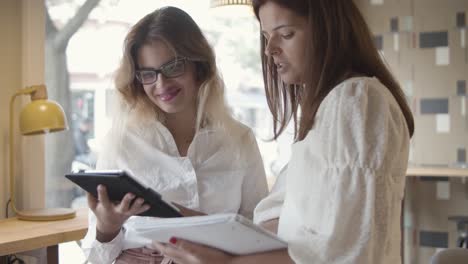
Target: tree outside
59,155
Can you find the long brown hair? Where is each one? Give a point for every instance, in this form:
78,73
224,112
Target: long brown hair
179,31
339,44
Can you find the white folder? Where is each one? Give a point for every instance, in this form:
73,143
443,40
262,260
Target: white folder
229,232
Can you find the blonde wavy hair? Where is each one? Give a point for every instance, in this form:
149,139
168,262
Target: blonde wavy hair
182,35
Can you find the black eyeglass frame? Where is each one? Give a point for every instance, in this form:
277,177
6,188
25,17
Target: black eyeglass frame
162,70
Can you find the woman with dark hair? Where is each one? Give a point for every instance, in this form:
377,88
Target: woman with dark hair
175,134
346,177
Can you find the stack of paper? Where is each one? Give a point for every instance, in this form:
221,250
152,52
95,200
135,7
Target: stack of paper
229,232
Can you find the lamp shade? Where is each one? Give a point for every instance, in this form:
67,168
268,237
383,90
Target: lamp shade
42,116
216,3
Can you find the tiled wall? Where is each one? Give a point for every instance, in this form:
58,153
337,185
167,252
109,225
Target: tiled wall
425,45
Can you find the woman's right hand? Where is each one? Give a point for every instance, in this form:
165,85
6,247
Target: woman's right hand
184,211
111,216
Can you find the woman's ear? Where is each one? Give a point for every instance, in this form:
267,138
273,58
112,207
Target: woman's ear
201,70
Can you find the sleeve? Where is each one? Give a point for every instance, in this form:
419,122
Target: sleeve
95,251
346,192
254,185
270,207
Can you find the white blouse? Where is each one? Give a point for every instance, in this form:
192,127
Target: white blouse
222,173
341,199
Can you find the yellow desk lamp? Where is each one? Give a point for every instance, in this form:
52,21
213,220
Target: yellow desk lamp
38,117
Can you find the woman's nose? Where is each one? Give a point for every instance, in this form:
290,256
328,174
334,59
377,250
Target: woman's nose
271,49
161,80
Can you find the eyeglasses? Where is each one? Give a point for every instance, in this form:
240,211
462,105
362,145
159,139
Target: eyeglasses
171,69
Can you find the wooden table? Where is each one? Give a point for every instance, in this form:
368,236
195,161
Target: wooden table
18,235
437,172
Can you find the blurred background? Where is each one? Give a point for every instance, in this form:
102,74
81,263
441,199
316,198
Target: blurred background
422,41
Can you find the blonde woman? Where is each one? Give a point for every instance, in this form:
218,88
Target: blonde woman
175,134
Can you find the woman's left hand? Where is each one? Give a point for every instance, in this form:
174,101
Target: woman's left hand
185,252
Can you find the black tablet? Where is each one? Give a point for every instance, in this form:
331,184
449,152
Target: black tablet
118,183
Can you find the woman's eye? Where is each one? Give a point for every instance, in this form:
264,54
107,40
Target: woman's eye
288,35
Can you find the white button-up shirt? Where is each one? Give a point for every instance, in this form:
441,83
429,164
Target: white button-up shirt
339,201
222,173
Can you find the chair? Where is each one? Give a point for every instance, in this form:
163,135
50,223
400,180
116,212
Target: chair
462,229
451,256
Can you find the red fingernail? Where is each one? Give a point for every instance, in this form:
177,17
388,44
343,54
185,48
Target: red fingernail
173,240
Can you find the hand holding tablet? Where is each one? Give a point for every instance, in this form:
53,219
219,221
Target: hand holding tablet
118,183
